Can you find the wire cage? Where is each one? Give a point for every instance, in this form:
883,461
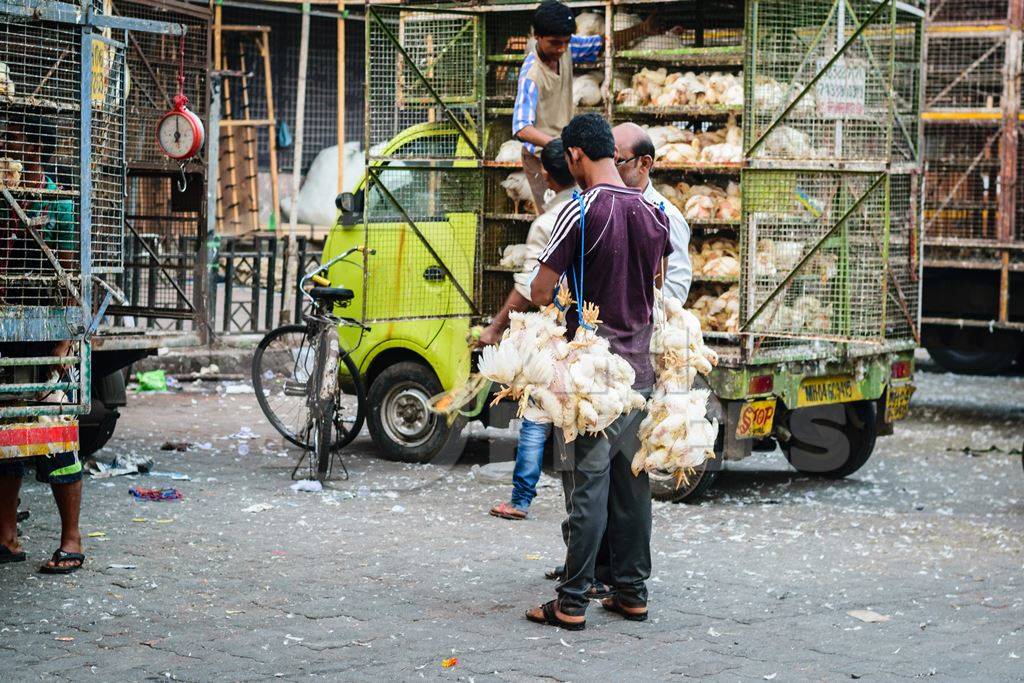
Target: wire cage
972,227
808,246
40,109
423,194
63,92
163,225
154,62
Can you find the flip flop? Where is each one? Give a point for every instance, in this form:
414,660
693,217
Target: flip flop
6,556
613,604
61,555
507,511
550,618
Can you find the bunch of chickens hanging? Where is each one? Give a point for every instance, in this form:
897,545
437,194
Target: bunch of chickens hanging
180,132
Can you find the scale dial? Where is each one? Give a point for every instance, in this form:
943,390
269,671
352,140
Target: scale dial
180,133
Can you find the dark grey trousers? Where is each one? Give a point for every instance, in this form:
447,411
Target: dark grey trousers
606,504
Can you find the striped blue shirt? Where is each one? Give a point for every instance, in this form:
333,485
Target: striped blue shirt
584,50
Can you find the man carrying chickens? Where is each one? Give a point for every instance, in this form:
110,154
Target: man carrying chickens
544,98
612,246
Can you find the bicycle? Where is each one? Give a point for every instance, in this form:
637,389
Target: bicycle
295,373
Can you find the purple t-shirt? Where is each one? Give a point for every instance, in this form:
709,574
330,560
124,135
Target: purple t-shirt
624,238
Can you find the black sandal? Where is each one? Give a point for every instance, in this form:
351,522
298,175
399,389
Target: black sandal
550,618
6,556
555,574
613,604
600,591
61,555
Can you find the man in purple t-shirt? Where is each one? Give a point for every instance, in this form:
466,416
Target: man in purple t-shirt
611,245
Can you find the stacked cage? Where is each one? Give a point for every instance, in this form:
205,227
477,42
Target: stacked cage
423,191
786,133
973,211
166,224
62,93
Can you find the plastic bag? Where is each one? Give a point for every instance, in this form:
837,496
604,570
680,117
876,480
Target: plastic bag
152,380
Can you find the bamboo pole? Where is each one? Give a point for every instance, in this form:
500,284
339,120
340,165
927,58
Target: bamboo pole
249,140
341,97
300,115
230,197
268,86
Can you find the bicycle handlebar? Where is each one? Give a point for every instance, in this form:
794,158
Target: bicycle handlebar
313,274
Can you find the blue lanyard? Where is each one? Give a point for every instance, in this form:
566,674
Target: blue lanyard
578,282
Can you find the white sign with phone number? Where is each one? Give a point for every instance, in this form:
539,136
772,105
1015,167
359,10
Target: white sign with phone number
840,92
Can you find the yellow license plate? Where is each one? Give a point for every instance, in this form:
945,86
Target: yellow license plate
897,402
819,391
756,418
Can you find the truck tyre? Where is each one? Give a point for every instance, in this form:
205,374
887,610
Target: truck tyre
975,352
832,441
972,361
400,422
96,428
699,484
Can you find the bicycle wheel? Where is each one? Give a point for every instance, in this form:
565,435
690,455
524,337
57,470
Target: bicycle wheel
283,363
281,367
350,408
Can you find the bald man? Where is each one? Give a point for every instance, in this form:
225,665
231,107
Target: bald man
634,159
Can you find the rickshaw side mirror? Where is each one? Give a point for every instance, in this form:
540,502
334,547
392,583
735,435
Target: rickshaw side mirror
346,202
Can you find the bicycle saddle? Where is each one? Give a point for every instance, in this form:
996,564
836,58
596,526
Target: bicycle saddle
334,294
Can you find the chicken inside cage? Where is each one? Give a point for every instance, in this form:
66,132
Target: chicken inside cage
37,176
6,83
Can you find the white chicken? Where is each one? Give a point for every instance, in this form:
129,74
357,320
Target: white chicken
10,173
624,20
660,88
785,254
513,256
511,151
517,187
589,24
718,313
586,90
578,386
676,435
786,142
730,151
6,84
699,207
722,267
664,41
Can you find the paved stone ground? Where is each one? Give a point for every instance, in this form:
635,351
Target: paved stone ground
384,576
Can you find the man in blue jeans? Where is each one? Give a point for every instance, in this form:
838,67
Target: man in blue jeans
532,435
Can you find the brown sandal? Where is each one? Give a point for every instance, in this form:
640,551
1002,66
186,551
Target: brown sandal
549,617
613,604
507,511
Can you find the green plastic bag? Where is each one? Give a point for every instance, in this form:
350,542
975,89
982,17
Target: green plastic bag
154,380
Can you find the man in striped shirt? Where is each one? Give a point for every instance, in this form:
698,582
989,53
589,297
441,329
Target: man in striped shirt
612,246
544,99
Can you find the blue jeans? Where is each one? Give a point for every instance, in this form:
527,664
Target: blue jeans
529,454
